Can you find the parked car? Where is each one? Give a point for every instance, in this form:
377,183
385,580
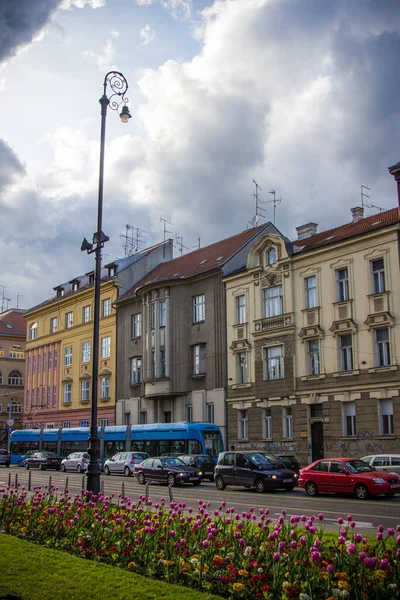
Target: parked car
202,462
43,461
123,462
23,458
384,462
77,461
169,470
251,469
277,463
290,461
347,476
5,458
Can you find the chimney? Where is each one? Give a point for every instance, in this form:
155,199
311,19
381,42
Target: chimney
357,213
306,230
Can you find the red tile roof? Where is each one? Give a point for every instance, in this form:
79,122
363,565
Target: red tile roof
349,230
197,262
15,321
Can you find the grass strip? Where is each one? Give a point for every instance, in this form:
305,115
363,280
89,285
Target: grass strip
38,573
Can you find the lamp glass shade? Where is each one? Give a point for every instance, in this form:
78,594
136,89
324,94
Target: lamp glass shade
125,114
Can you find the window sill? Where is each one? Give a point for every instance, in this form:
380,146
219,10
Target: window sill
198,322
386,436
346,373
198,376
105,399
383,369
135,384
239,386
313,377
84,401
385,292
136,338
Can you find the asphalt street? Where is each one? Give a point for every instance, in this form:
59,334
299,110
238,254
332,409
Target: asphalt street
367,514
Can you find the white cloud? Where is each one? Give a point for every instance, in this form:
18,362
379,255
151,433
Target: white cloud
147,35
67,4
180,10
104,58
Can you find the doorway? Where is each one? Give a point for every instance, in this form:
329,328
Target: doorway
317,440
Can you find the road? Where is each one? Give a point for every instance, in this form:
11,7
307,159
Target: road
367,514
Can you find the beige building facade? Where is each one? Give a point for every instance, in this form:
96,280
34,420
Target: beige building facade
313,341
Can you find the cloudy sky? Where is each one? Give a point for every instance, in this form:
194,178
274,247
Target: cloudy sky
300,95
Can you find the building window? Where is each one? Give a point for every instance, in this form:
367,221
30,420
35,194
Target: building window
167,416
346,352
378,276
313,357
105,347
311,291
143,417
274,362
382,347
34,364
28,401
66,424
199,359
267,424
162,362
43,396
1,351
199,308
86,314
349,419
48,395
86,352
69,320
342,284
287,422
152,315
241,358
106,307
136,370
105,387
136,325
240,309
163,313
16,352
153,364
386,424
243,425
55,360
39,363
84,423
273,301
271,256
75,286
54,395
85,390
54,325
67,393
16,406
316,411
67,356
189,413
33,331
103,422
44,361
210,413
15,378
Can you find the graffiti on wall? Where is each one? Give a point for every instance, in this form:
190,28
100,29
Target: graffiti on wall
273,447
365,443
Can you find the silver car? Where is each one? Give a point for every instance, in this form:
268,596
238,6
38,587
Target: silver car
77,461
124,462
384,462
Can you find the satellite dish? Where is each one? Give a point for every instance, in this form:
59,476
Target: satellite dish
254,221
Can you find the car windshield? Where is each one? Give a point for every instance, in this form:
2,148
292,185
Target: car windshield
205,460
259,459
272,459
358,466
173,462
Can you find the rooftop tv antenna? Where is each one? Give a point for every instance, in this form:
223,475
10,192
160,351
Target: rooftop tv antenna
364,195
18,297
198,244
132,239
260,211
180,244
275,201
165,232
3,297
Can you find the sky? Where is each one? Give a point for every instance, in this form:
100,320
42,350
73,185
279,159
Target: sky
301,96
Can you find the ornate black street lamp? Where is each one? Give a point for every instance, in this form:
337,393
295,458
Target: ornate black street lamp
119,87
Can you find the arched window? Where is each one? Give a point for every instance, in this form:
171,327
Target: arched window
33,331
16,406
1,350
271,256
16,352
15,378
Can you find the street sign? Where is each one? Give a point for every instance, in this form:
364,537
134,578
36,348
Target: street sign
9,429
10,422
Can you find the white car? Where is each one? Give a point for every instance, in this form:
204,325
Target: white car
77,461
384,462
123,462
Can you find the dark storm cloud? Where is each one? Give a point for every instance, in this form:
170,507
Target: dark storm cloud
20,21
10,166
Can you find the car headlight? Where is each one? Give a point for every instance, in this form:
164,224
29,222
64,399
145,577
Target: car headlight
200,473
181,474
295,475
273,476
379,480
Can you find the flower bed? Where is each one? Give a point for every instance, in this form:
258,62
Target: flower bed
234,555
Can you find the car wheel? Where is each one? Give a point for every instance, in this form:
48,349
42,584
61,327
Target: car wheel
390,495
79,469
219,483
26,466
127,472
260,486
141,479
311,489
106,470
7,465
63,469
361,491
41,467
171,480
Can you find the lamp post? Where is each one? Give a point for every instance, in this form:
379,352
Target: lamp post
119,87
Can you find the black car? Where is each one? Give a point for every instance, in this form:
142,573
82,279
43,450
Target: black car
43,461
277,462
290,462
251,469
202,462
169,470
5,458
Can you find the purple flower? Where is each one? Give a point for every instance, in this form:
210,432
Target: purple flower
398,553
312,530
385,564
282,545
321,516
293,545
341,540
276,557
362,556
351,549
381,528
370,562
303,540
330,569
172,533
352,524
349,518
284,512
293,534
317,543
205,543
357,537
315,556
379,536
391,531
340,521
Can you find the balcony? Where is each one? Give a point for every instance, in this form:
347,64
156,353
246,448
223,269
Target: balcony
157,387
268,324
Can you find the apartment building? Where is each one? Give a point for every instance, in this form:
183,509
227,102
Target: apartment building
313,337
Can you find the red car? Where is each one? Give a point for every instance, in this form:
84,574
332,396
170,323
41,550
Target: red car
347,476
